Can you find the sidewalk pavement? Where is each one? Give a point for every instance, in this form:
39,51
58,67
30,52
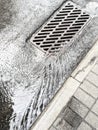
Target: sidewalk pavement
81,112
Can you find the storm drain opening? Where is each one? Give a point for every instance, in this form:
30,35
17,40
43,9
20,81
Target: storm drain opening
61,28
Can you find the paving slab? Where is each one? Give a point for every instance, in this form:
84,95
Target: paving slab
77,107
92,119
84,98
84,126
93,78
72,118
95,69
89,88
95,107
61,124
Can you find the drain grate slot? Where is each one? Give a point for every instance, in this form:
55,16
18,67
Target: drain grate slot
58,32
43,33
64,12
81,21
55,35
48,42
72,16
59,17
54,21
61,28
38,37
49,27
66,34
77,13
77,10
67,37
64,25
67,8
73,30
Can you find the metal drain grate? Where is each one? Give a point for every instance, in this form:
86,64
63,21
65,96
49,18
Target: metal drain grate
61,28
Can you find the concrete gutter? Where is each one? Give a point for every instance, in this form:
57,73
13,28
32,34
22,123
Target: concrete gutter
67,91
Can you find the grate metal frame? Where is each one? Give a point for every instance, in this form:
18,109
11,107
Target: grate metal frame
61,29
